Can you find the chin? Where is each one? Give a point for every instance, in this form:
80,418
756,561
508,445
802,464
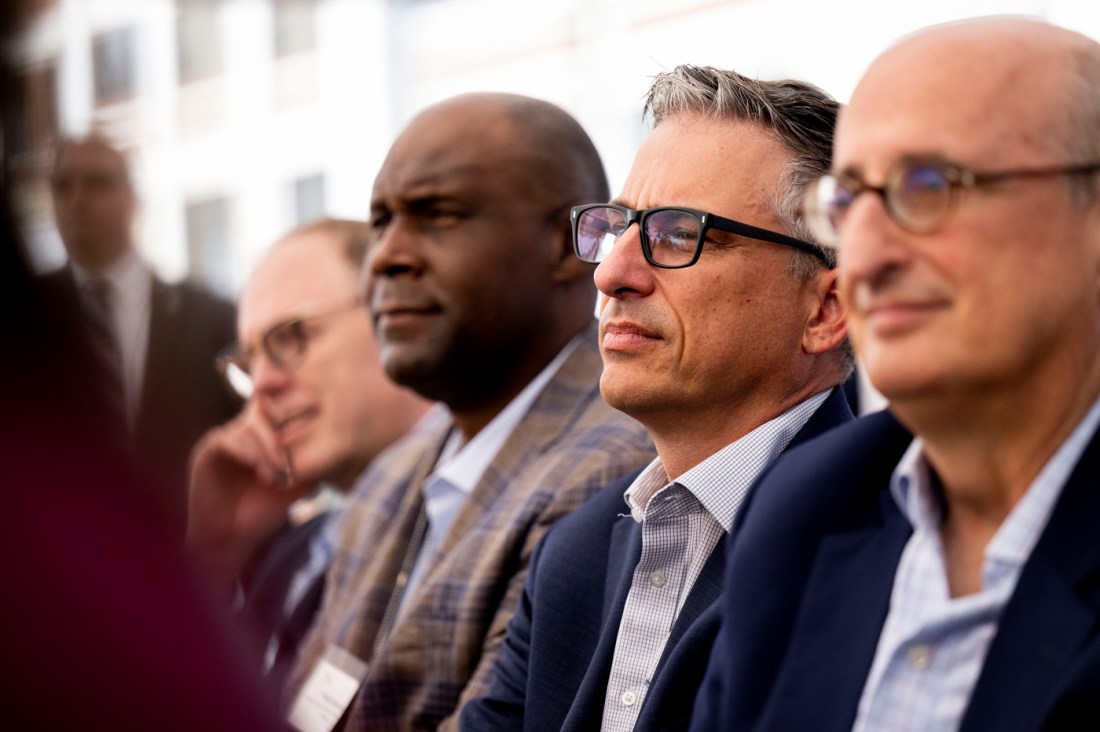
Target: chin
626,397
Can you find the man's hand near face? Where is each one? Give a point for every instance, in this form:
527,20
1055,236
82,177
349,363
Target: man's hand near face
242,483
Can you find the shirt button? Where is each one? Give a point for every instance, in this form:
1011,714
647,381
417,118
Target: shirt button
629,698
658,579
919,657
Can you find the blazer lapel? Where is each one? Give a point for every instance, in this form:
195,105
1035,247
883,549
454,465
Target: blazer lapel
558,406
850,587
704,594
624,551
1051,615
164,305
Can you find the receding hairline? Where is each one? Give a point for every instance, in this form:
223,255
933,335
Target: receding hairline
351,237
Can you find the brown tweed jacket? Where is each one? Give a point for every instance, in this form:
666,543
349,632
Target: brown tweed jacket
439,653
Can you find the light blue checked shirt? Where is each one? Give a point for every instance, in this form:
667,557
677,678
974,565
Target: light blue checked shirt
933,646
682,522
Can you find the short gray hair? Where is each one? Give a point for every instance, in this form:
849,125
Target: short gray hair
800,115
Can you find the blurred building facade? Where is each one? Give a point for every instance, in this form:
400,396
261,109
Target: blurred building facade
244,118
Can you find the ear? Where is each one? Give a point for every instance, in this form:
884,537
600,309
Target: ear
564,262
827,326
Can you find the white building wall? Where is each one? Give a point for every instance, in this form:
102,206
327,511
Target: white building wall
248,132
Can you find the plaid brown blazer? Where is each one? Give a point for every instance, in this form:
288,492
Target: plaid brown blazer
440,652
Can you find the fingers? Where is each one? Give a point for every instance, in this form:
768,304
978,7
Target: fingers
247,443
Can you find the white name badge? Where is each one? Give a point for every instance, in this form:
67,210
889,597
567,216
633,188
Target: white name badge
328,691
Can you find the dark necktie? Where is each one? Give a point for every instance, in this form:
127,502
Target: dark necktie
104,339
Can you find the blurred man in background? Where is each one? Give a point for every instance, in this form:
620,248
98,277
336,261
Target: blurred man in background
267,487
96,588
155,341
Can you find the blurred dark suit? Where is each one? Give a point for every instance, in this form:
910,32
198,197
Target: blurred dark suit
182,395
267,587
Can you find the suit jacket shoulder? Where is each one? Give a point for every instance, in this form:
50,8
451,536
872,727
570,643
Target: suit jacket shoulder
568,445
554,670
182,394
799,651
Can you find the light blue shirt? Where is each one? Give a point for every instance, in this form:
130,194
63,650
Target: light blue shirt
933,646
460,467
682,522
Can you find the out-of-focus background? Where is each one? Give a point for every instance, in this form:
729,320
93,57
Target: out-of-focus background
244,118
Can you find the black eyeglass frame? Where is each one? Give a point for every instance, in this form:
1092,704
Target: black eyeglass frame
956,176
707,221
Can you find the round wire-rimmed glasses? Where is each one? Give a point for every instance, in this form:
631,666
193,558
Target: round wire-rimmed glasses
284,344
919,193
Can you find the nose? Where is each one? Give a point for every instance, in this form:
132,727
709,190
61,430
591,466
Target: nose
267,377
624,272
872,245
395,250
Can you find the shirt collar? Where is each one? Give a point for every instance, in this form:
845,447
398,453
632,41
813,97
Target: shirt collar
463,465
123,273
129,277
721,481
913,487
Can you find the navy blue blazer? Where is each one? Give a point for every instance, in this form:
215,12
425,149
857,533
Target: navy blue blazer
814,554
554,669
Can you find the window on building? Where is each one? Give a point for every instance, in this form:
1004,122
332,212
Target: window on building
295,28
198,40
32,126
309,198
208,243
114,65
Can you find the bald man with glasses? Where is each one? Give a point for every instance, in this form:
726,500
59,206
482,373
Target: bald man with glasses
934,566
267,486
722,333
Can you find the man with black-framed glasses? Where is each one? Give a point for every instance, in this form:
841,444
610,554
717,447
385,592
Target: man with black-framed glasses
720,331
934,566
318,409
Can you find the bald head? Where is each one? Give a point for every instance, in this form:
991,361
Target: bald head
94,201
996,296
539,146
471,276
993,82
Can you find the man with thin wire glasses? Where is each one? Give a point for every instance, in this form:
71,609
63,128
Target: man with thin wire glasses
720,331
933,567
267,486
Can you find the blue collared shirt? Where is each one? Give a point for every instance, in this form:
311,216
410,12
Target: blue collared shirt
933,646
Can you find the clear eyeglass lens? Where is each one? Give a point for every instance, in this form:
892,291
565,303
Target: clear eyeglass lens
286,343
673,236
597,231
920,196
238,379
824,206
